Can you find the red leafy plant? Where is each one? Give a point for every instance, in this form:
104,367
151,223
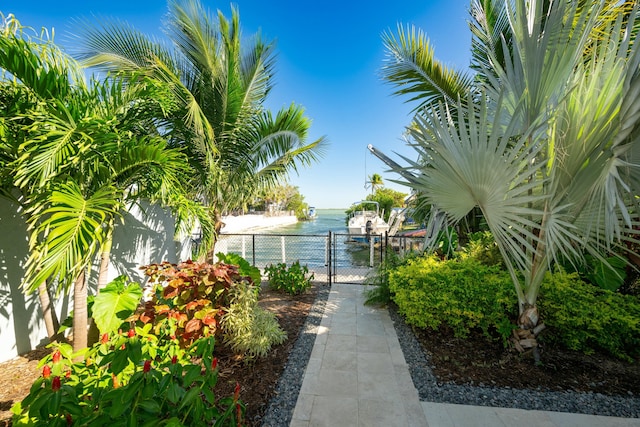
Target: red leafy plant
191,296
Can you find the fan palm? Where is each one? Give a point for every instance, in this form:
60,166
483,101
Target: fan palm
549,152
219,86
85,152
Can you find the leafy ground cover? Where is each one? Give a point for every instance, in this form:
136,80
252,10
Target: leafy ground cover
470,360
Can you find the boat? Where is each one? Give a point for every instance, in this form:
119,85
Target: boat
311,213
364,223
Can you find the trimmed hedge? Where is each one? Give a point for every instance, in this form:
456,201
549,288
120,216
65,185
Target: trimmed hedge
462,294
465,294
583,317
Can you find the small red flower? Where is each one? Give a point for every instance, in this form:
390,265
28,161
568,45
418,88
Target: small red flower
55,385
115,381
69,419
236,392
104,339
122,347
131,333
46,371
214,363
174,360
56,356
147,366
68,374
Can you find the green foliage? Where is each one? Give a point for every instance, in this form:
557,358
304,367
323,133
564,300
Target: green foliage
115,302
464,294
461,294
583,317
447,242
386,198
380,294
244,268
483,248
611,276
608,275
193,296
293,280
248,328
130,379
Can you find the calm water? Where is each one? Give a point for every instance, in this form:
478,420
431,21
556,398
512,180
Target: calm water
327,220
305,241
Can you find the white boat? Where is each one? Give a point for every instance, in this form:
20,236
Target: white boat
312,214
366,222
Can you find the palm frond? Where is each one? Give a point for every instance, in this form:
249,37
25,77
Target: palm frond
413,69
491,35
36,63
68,233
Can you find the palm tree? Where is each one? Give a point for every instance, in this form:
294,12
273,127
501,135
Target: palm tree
87,150
549,151
219,86
375,182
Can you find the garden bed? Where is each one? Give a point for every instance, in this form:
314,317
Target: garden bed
457,366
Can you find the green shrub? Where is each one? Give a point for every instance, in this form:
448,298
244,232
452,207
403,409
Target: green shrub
134,378
583,317
380,293
293,280
244,268
609,273
483,248
462,294
248,328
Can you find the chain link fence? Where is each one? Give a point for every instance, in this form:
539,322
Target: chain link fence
332,257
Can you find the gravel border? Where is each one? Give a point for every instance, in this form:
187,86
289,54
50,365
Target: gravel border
281,407
430,390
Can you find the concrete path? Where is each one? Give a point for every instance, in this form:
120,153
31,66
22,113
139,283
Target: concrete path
357,376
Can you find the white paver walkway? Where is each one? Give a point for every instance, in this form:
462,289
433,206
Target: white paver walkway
357,376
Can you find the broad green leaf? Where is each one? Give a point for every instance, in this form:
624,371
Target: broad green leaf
120,361
115,302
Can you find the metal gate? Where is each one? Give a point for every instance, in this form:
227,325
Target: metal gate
353,260
332,257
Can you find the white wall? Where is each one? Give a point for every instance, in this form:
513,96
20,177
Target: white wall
20,326
145,237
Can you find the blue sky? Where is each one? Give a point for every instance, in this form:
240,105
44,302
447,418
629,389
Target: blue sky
329,56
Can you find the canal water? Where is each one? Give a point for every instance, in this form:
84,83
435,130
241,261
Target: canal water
333,220
305,241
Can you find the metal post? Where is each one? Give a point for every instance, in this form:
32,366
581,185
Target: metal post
371,252
330,258
244,248
284,256
253,249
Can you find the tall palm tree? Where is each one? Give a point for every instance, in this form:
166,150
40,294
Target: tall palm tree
219,86
375,182
549,151
87,150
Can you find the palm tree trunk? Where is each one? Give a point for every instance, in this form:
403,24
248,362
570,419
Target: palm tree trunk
217,220
103,277
103,274
80,321
48,313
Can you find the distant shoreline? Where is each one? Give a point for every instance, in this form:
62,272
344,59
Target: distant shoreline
244,223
